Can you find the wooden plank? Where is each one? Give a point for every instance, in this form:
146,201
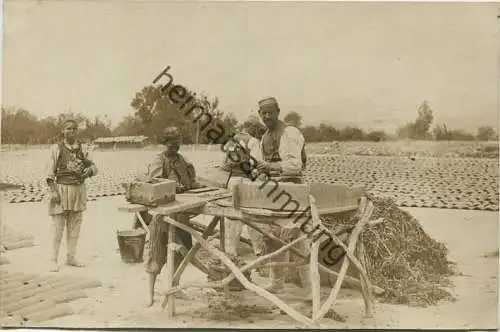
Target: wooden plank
351,280
258,262
286,197
181,203
214,176
170,269
132,208
244,281
212,209
271,195
335,196
200,190
314,265
366,214
285,213
192,252
222,238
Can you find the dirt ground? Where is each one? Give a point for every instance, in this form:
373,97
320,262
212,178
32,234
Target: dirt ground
469,235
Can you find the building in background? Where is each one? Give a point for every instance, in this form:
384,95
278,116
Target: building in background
121,142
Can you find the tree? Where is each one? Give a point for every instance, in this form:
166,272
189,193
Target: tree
193,114
311,134
328,133
486,133
254,126
424,120
293,119
461,135
130,126
351,134
19,126
96,128
156,112
441,133
377,136
420,128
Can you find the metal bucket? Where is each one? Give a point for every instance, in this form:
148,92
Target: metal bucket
131,244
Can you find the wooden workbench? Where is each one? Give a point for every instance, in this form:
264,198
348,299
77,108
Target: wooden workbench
217,204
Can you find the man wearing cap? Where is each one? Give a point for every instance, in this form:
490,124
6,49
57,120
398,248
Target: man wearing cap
283,153
245,146
169,164
69,167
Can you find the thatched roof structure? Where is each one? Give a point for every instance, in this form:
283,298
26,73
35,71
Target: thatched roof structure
121,139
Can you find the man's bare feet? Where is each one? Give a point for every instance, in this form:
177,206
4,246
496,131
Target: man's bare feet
54,267
149,302
75,263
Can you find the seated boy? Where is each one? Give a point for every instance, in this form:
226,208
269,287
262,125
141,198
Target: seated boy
169,164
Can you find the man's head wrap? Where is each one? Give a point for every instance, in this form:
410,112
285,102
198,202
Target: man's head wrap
68,122
269,102
170,134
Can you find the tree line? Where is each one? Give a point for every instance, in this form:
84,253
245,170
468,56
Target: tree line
153,111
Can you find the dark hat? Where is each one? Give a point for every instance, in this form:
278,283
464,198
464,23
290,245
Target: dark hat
269,101
171,133
68,122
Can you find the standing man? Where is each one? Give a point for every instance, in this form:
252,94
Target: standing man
245,146
283,152
69,167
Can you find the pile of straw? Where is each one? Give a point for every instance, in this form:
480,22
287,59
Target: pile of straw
400,257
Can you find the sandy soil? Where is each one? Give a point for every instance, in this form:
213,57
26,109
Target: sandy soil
470,235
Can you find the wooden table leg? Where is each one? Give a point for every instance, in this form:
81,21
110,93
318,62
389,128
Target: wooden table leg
314,265
189,257
351,280
349,257
222,228
245,282
143,223
170,270
192,252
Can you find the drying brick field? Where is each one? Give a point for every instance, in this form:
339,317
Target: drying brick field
454,175
446,178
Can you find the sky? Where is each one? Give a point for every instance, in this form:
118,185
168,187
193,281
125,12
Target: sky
364,64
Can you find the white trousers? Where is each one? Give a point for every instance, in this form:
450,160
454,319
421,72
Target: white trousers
72,220
234,228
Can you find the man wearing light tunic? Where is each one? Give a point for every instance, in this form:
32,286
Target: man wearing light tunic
283,152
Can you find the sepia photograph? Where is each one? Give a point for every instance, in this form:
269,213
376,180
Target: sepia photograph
249,164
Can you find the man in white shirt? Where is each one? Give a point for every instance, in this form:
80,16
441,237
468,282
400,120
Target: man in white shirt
284,159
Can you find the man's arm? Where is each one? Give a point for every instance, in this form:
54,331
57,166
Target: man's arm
192,174
290,150
155,169
89,164
51,165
